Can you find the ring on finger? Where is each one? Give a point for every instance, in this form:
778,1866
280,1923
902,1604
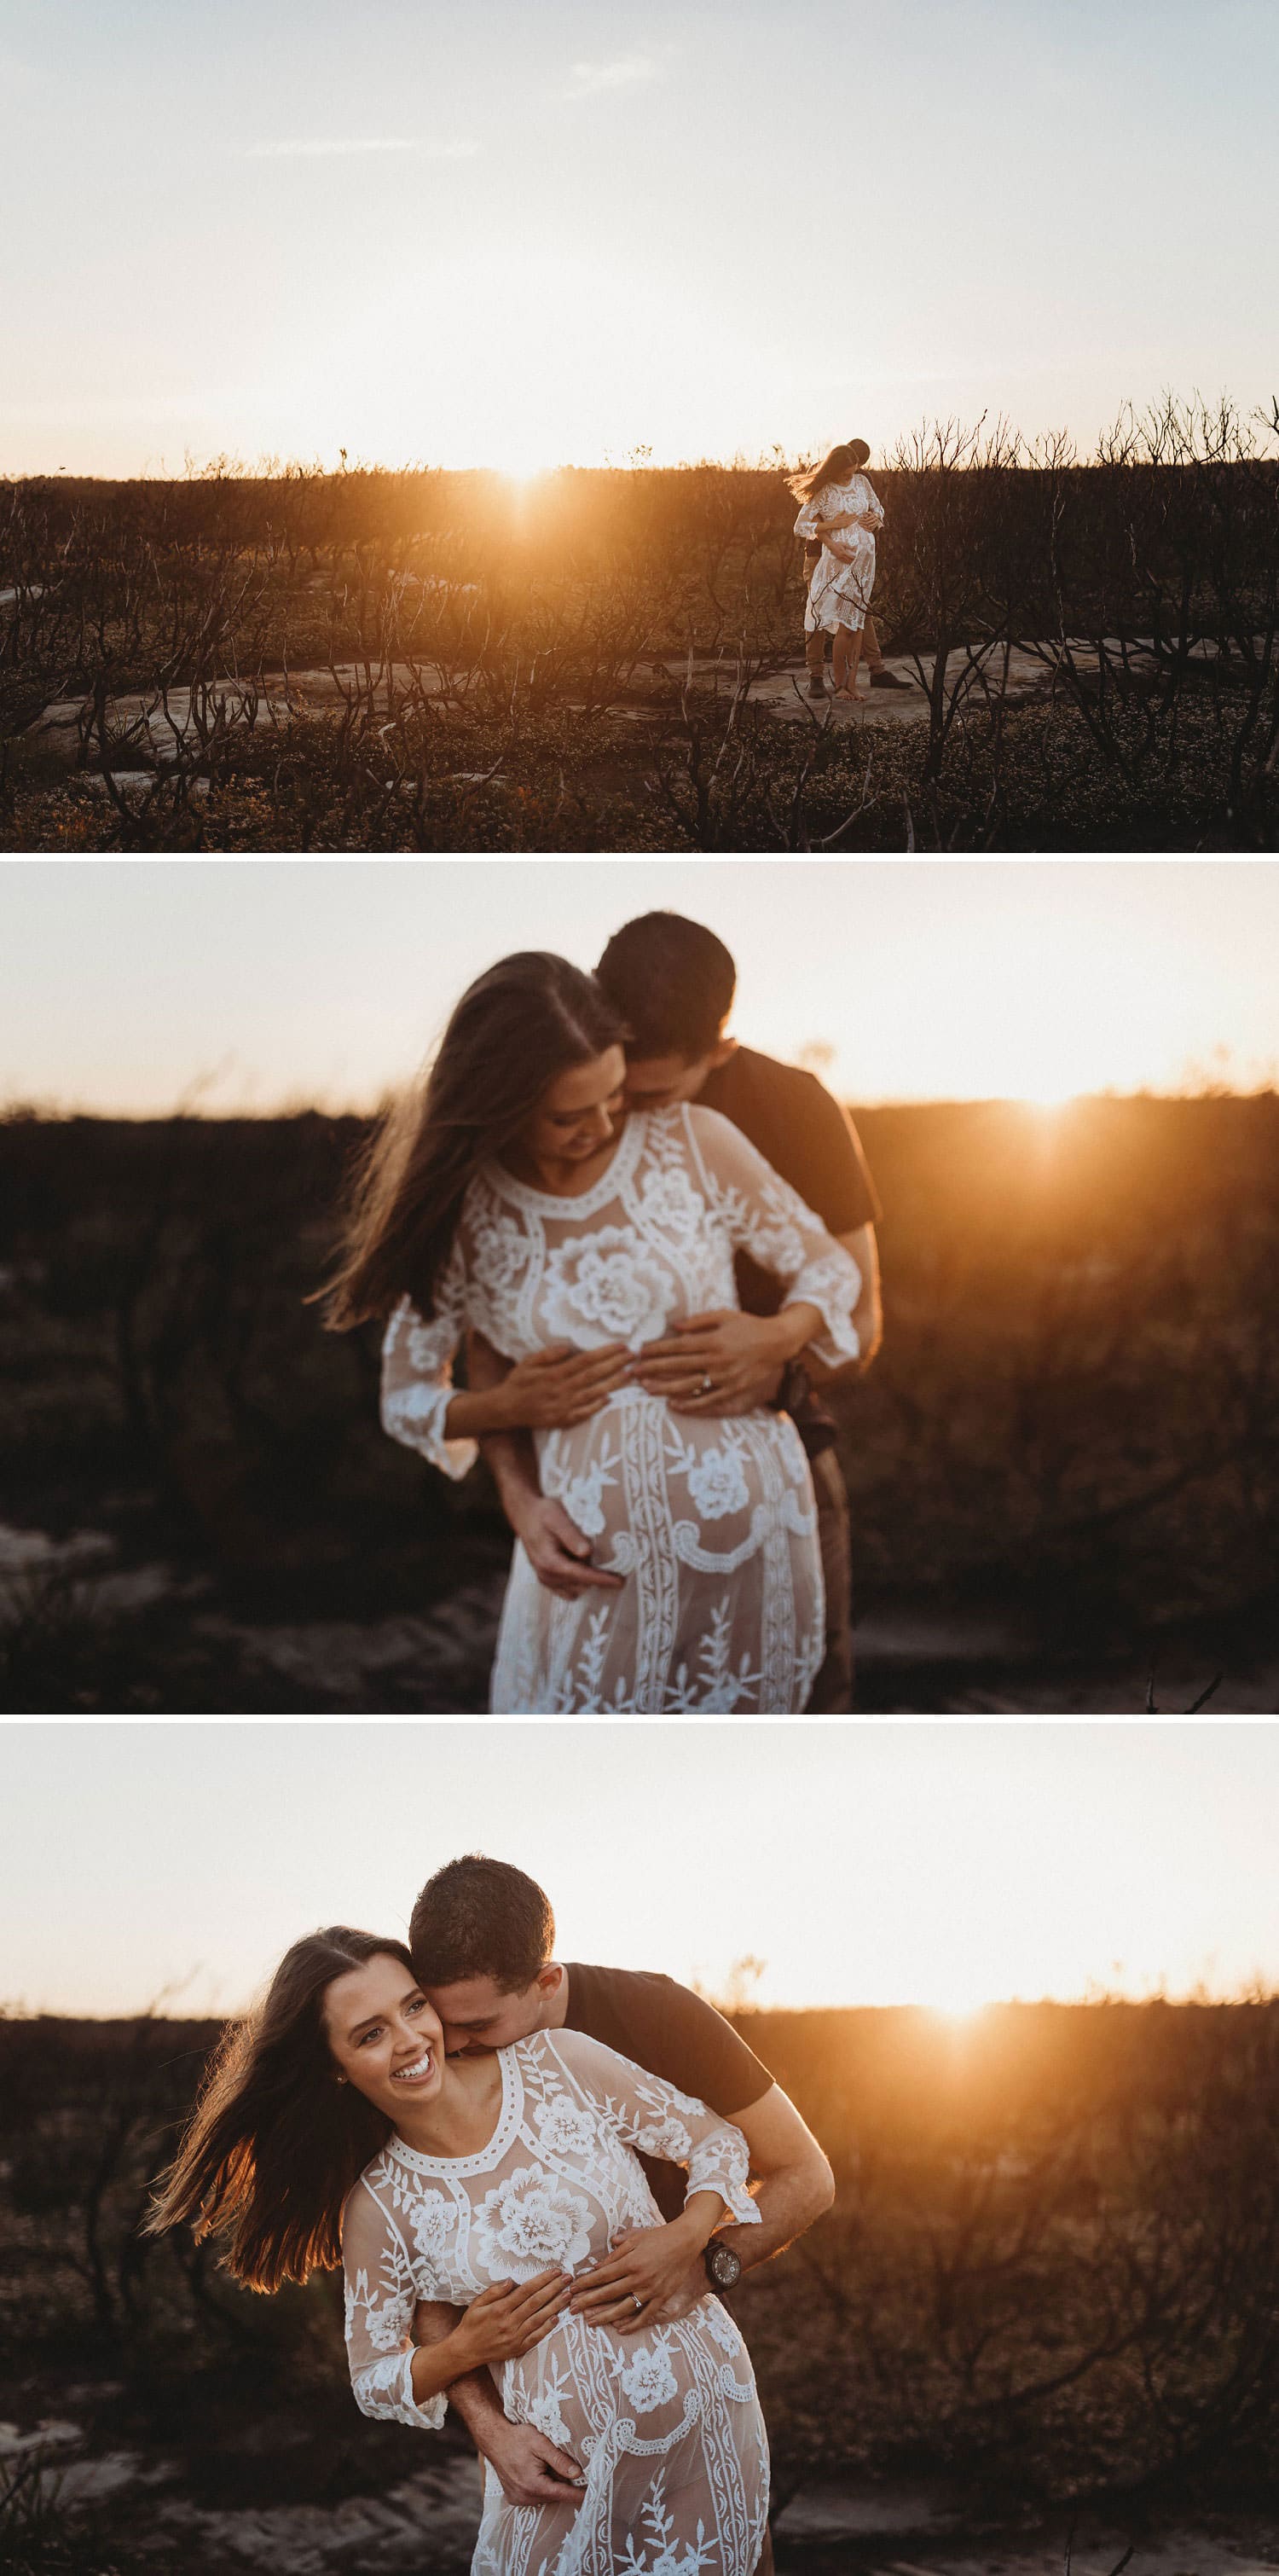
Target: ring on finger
707,1386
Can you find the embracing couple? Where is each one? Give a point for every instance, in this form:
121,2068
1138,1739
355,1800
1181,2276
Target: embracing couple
651,1244
536,2178
840,519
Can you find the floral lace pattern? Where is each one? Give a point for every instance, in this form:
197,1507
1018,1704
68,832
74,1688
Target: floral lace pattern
666,2425
710,1522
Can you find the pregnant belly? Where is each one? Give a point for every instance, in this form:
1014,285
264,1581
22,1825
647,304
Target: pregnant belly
637,1469
650,2377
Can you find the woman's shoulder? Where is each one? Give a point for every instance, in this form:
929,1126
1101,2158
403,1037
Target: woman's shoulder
549,2047
571,2052
365,2199
710,1130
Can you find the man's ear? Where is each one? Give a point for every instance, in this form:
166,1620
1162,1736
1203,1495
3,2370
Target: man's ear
720,1054
549,1979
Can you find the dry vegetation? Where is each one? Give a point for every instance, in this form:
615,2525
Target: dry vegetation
1072,1433
567,667
1051,2274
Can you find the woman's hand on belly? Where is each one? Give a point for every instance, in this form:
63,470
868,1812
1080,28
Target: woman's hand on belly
742,1356
508,2318
553,1389
645,2267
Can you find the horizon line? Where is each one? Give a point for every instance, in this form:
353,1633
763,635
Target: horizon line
16,1111
1257,1994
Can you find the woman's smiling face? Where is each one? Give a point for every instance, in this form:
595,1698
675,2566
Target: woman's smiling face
579,1113
383,2035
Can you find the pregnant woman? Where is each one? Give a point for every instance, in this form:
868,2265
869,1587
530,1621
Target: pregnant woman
842,511
334,2119
517,1198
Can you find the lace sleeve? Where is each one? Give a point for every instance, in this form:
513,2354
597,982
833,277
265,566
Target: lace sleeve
806,523
381,2294
417,1373
654,2117
872,505
767,1218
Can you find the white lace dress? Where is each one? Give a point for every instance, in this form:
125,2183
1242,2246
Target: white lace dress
665,2423
839,593
711,1521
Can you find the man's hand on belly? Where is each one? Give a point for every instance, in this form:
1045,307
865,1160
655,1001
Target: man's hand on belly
743,1356
530,2470
680,2301
556,1549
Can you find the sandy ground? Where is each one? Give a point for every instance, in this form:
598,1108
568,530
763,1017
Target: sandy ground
828,2525
437,1663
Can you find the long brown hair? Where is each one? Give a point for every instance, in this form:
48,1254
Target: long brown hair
850,458
516,1029
276,2141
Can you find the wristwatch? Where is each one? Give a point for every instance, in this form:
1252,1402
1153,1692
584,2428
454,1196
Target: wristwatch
723,2266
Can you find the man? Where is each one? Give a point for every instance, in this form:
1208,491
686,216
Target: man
817,644
482,1936
673,982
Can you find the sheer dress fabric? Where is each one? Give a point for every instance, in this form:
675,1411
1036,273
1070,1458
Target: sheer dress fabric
665,2423
711,1521
839,593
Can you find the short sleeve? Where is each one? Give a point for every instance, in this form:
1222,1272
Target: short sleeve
765,1217
802,1130
663,2025
381,2294
657,2119
417,1373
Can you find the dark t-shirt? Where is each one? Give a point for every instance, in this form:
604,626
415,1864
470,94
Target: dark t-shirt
664,2027
800,1128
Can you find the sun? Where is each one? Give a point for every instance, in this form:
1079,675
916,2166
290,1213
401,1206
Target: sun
960,2001
525,468
1048,1097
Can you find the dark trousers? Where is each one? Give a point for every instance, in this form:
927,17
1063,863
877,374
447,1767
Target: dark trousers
832,1692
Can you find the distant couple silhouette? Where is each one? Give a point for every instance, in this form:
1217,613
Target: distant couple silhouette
839,522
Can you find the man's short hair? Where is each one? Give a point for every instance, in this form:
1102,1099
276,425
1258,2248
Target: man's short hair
481,1918
673,982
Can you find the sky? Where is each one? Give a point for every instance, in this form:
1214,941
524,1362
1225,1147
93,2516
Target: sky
862,1863
525,235
128,986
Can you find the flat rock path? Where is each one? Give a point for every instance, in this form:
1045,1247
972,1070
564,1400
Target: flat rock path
168,728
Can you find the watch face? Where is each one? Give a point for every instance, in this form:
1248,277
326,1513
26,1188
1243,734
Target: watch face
724,2266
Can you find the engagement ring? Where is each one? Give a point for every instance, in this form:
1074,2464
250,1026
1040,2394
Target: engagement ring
636,2301
707,1386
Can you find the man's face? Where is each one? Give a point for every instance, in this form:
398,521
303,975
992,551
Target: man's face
478,2014
658,1081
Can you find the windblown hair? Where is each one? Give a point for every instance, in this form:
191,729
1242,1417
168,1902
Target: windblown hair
276,2142
673,982
527,1020
849,458
481,1918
